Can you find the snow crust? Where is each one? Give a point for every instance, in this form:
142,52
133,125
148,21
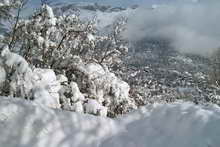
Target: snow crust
170,125
25,124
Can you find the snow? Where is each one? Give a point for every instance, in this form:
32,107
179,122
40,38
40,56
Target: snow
77,95
47,78
1,36
12,59
49,11
6,2
51,21
39,84
61,78
35,123
93,107
94,70
171,125
42,96
45,75
40,40
21,78
47,87
78,107
2,75
90,37
102,85
118,88
25,124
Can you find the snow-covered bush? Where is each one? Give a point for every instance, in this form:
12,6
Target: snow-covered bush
70,64
94,107
46,40
101,85
19,80
46,82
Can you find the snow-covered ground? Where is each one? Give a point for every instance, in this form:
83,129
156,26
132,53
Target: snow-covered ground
25,124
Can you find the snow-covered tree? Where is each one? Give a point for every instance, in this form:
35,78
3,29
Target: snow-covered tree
19,80
49,41
10,13
81,58
17,73
215,67
6,6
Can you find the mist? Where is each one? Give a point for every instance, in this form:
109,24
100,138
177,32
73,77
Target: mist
189,27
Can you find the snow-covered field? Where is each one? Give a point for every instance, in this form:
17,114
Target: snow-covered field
25,124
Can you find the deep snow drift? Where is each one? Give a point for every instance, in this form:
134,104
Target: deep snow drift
25,124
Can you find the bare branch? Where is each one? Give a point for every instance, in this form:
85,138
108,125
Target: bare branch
23,3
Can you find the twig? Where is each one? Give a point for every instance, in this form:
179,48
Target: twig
16,23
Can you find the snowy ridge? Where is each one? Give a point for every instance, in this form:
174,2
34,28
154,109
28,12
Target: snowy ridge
25,124
170,125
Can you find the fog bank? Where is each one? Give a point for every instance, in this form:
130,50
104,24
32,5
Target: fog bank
191,28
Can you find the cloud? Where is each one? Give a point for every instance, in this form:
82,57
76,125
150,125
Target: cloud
191,28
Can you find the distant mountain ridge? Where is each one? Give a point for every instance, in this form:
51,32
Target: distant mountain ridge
94,7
